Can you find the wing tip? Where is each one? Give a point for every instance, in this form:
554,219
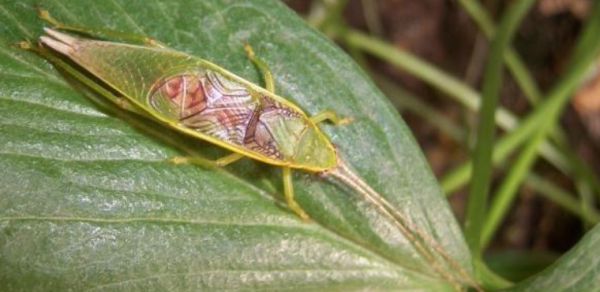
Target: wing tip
56,45
59,41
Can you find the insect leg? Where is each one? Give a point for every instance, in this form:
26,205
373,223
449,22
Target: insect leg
192,160
99,32
121,102
331,116
233,157
288,190
267,76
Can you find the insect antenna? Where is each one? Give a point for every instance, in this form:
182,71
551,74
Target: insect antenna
412,232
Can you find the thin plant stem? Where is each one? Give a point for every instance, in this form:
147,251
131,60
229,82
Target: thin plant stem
482,162
403,99
327,14
512,59
527,84
539,184
451,86
586,51
562,198
521,130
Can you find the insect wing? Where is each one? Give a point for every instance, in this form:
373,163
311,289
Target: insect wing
208,103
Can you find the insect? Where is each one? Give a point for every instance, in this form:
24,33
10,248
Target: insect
203,100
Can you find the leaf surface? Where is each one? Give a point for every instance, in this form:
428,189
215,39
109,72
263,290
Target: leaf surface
88,203
577,270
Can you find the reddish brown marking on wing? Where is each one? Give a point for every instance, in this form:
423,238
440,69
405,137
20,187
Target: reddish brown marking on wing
185,93
228,112
172,87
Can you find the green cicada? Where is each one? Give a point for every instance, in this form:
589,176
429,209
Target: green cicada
203,100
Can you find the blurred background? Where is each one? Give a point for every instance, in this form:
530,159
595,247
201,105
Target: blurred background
429,57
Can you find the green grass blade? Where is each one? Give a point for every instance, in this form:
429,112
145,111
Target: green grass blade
458,91
512,59
482,162
527,84
404,100
584,55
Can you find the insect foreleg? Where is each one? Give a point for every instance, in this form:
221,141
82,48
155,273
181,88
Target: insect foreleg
231,158
99,32
207,162
288,190
331,116
267,76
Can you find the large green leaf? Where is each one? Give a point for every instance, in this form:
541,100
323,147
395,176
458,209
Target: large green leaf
577,270
87,201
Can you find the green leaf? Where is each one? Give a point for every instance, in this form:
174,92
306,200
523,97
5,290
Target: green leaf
577,270
87,201
517,265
